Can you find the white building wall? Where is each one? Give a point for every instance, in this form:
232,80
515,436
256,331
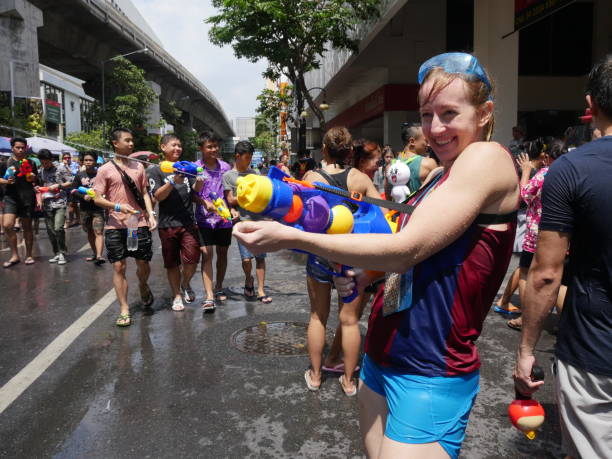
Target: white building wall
73,93
72,112
500,56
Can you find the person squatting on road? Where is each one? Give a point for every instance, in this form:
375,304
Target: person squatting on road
178,232
577,213
215,232
92,216
242,166
121,188
420,375
55,181
19,199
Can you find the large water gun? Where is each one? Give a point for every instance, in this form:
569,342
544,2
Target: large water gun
25,170
315,208
85,191
10,172
220,206
181,167
527,414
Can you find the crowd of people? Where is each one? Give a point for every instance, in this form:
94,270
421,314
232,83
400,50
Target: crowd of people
431,283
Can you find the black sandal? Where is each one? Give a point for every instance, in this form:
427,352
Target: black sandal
249,292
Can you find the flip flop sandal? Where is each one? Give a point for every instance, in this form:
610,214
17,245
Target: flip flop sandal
208,306
265,299
147,299
124,320
309,383
29,261
514,325
249,292
511,310
220,295
99,261
348,393
88,259
8,264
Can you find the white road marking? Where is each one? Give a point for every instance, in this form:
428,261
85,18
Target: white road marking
30,373
84,248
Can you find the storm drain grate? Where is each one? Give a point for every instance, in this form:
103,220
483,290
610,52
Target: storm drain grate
272,338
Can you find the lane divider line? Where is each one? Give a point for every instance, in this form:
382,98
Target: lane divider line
31,372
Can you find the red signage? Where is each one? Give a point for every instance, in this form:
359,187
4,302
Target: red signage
391,97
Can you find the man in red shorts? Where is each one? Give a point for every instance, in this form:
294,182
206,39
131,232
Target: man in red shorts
177,229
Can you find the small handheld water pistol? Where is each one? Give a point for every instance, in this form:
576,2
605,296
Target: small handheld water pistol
25,170
309,207
526,414
85,191
10,172
220,206
182,167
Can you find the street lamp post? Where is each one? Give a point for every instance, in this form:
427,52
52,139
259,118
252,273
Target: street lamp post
143,50
323,106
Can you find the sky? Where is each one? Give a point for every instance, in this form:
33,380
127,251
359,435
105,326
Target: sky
234,82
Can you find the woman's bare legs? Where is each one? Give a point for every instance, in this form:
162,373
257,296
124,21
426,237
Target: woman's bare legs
319,294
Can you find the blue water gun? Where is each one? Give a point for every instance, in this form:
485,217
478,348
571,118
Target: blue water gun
85,191
182,167
315,208
10,172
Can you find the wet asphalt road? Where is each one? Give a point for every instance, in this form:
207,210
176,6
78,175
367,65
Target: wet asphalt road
171,385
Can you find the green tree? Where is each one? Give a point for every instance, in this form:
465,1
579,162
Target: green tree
271,103
83,141
130,96
265,142
292,35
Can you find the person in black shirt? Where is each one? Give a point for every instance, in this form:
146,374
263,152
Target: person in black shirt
177,229
19,199
577,212
92,216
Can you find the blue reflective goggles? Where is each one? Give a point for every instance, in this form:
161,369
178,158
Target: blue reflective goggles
462,63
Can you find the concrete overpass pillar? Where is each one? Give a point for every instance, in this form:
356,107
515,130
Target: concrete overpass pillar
19,21
154,116
492,19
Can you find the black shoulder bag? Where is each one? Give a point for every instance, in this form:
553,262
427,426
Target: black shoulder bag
129,183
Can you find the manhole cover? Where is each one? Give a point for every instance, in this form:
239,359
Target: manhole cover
272,338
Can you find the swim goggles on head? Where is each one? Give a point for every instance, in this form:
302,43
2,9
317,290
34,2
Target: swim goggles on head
462,63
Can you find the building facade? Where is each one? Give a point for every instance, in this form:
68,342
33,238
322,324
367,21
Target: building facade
539,71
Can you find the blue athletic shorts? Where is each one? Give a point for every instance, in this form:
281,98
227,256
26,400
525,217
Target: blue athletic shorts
423,409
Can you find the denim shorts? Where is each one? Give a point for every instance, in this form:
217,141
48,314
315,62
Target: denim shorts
318,268
424,409
245,254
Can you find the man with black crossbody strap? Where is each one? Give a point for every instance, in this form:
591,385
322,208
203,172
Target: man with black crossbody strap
121,188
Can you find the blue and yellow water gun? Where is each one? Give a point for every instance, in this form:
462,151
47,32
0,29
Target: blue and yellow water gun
220,206
181,167
85,191
312,207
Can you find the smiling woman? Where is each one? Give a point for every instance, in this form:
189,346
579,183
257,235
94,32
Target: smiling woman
451,255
